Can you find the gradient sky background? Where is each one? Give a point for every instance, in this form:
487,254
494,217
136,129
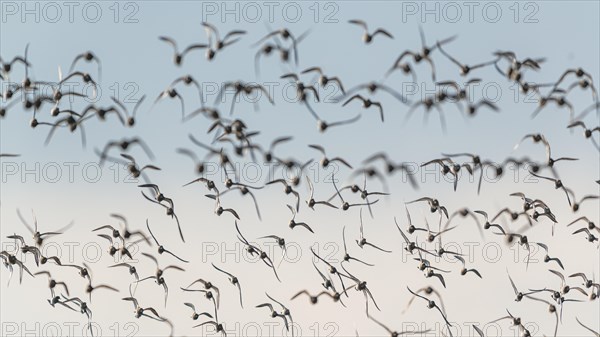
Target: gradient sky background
566,35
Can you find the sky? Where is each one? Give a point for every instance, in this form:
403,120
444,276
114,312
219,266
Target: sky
62,182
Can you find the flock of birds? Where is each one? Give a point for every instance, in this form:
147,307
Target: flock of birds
232,137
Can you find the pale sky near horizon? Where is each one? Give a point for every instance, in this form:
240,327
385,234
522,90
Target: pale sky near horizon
60,181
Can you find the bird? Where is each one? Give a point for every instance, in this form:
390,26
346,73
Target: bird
218,326
239,88
464,270
177,56
158,275
25,248
519,295
124,145
588,283
57,300
268,154
124,233
208,295
333,271
323,79
112,250
364,193
558,184
85,77
224,160
234,280
434,205
577,204
251,249
189,80
229,39
172,94
362,241
560,102
83,308
411,246
139,311
38,236
274,313
244,190
292,165
361,286
368,37
133,168
324,125
90,288
547,258
412,228
161,249
326,161
514,215
345,205
430,271
473,107
564,289
71,122
315,298
170,211
418,56
52,283
210,113
586,132
219,210
7,66
447,166
464,69
84,271
590,224
516,321
431,304
4,108
578,72
100,112
287,190
301,87
463,213
328,284
551,309
285,311
311,202
372,88
87,56
392,167
284,53
590,237
9,260
208,286
396,333
428,103
347,257
131,269
428,291
285,34
293,224
366,103
196,315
